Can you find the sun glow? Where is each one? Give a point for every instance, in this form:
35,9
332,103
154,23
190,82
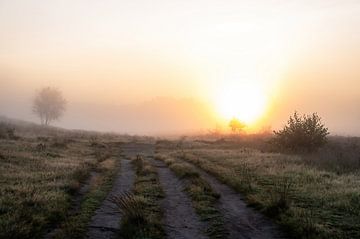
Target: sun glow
245,101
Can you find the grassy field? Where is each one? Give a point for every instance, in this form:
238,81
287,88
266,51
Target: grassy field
42,171
52,180
312,196
100,183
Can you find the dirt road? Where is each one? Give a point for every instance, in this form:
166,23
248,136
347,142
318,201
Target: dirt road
241,221
180,220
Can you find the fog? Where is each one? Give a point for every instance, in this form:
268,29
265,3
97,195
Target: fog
155,68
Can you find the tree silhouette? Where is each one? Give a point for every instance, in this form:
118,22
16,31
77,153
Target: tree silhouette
49,105
236,125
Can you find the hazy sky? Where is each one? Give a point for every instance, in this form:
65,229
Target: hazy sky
171,66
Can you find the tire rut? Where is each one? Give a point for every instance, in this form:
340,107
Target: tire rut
181,221
241,221
106,221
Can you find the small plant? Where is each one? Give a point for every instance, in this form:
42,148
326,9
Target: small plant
142,214
138,162
101,151
302,134
306,218
41,147
132,208
280,199
183,171
7,131
247,178
94,141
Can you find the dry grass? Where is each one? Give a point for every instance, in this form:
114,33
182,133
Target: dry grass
311,197
41,170
75,225
142,215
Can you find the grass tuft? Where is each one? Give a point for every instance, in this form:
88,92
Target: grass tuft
142,214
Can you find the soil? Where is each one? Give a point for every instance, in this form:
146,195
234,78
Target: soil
241,221
106,221
180,219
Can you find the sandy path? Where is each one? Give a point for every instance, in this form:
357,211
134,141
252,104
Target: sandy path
181,221
241,221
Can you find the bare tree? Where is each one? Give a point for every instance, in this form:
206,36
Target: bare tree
49,105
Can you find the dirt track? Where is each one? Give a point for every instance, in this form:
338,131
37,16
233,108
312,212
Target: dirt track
106,221
180,219
240,220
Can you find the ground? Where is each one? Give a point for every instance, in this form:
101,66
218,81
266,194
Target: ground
73,184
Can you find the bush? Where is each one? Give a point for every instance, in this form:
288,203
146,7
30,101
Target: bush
302,134
7,131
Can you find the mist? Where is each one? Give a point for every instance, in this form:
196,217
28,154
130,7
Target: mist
159,69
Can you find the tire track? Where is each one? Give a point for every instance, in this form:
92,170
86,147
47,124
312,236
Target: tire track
241,221
106,221
181,221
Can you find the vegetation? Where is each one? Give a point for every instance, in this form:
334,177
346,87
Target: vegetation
75,225
302,134
7,131
142,215
307,196
203,198
49,105
41,174
236,125
52,180
340,155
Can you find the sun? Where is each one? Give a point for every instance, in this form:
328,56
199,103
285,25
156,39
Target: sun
245,101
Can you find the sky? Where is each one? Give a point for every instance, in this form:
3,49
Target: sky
179,66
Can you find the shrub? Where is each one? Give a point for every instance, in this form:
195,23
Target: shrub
302,134
132,208
7,131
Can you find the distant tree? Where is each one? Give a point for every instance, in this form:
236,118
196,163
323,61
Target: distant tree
49,105
236,125
302,133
